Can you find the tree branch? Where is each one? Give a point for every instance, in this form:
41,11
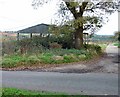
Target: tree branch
72,9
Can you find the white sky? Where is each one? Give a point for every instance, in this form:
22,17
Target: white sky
111,26
18,14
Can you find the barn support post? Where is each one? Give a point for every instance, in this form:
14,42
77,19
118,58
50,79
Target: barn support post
85,38
31,35
18,36
40,34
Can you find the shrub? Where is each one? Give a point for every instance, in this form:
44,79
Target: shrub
117,44
55,45
35,45
9,47
93,48
70,58
66,41
38,41
82,57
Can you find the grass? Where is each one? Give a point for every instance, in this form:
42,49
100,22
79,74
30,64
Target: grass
103,46
117,44
13,92
48,57
52,56
17,60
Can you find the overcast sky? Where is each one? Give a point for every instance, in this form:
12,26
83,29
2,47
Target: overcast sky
18,14
111,26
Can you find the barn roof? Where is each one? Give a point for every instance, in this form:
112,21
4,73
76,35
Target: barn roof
40,28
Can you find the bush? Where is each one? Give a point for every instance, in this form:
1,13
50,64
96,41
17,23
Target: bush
38,43
55,45
27,45
82,57
117,44
9,47
93,48
66,41
35,45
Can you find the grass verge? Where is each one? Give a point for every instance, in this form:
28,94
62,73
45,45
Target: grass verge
13,92
52,56
103,45
117,44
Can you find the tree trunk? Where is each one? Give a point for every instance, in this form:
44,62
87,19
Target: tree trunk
79,38
77,15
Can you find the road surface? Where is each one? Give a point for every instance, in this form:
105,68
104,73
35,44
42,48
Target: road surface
86,83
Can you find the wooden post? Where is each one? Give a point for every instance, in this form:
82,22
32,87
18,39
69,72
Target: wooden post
40,34
31,35
18,35
48,35
85,38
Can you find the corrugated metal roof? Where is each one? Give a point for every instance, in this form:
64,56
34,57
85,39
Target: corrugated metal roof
40,28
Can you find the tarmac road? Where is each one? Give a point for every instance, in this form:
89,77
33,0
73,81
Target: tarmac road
86,83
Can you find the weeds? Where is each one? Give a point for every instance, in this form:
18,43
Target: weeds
49,56
38,51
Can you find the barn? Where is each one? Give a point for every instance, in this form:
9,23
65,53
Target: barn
40,29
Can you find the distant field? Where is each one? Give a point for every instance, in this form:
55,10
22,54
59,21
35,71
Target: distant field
7,36
13,36
102,38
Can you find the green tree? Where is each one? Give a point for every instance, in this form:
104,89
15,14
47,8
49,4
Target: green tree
85,15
